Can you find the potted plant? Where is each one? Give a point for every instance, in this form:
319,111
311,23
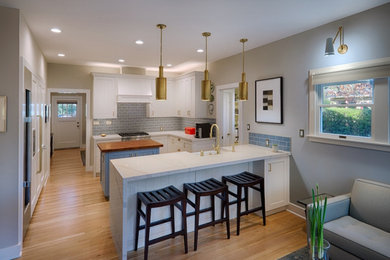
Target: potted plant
317,211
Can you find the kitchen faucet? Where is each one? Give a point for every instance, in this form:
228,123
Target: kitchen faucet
216,148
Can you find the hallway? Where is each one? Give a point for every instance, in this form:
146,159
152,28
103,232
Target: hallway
71,220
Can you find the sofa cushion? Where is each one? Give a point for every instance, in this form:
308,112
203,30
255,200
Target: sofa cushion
370,203
358,238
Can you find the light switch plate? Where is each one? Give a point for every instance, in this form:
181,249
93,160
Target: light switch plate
108,122
96,122
301,133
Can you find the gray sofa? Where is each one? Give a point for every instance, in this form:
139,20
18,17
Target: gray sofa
357,225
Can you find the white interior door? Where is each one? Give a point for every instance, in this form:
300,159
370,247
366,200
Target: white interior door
66,121
228,117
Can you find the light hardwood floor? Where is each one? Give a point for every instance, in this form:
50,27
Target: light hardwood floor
71,221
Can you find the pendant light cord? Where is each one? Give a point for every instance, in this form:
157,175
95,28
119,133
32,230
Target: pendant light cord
243,57
161,46
206,52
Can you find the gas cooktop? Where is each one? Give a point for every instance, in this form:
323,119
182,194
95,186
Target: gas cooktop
134,136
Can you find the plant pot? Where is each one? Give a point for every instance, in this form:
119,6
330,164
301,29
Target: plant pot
324,255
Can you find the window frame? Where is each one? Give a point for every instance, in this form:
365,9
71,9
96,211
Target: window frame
315,104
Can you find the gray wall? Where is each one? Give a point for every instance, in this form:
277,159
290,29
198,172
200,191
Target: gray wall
132,118
9,86
333,167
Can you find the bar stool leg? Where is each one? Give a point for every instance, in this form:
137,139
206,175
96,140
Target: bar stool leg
172,219
184,223
239,188
213,208
197,205
147,231
246,198
226,202
262,200
222,207
138,216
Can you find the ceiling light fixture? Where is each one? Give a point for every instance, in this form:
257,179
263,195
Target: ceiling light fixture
206,83
161,82
61,55
121,60
243,85
199,50
139,42
56,30
329,48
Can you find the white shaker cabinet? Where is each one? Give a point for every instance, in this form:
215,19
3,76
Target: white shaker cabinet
163,108
276,183
105,92
163,139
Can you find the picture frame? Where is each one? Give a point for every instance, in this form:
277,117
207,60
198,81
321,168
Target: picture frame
3,114
269,100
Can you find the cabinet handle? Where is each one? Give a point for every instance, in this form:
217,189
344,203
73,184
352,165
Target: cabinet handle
269,167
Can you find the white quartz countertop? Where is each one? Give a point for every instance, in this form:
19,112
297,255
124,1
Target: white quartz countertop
180,134
107,137
138,168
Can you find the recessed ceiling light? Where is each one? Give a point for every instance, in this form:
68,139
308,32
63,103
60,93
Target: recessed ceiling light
61,55
139,42
56,30
199,50
169,65
121,60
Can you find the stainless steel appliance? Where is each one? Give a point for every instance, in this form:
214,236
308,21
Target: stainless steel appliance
134,136
202,130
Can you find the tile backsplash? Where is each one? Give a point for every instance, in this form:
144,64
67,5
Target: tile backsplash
284,143
131,117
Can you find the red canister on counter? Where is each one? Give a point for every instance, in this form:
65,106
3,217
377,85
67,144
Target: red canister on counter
189,130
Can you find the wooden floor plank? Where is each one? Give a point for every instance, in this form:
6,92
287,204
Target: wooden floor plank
71,221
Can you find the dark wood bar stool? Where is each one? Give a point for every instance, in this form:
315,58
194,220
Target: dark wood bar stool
168,196
245,180
212,188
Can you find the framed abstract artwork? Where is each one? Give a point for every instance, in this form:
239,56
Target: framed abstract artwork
269,100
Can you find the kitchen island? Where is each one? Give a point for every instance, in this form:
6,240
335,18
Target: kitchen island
115,150
131,175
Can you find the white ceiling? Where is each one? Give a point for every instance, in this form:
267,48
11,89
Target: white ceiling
102,31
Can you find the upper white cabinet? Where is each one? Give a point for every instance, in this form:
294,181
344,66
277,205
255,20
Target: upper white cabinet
183,99
105,92
163,108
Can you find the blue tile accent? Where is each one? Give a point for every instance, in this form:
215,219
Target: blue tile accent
284,143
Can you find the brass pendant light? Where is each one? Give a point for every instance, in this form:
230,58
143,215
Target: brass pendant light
161,82
243,86
206,83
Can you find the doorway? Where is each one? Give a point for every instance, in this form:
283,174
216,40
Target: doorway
229,116
67,118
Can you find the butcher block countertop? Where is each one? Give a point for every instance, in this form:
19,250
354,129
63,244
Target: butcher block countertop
128,145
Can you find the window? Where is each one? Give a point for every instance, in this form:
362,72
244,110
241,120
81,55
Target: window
349,105
346,108
66,109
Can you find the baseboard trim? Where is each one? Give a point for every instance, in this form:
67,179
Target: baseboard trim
296,210
11,252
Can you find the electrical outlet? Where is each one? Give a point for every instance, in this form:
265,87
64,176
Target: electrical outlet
95,122
161,128
267,142
108,122
248,127
301,133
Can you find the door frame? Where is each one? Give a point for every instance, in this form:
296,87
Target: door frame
219,108
88,119
80,102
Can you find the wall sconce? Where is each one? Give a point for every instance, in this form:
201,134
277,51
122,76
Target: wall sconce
329,48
